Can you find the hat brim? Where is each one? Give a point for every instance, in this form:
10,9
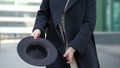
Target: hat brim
49,47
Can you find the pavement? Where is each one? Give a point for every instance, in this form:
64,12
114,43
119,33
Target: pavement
109,55
109,49
108,61
9,57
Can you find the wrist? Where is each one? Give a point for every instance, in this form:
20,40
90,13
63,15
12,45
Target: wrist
38,30
72,49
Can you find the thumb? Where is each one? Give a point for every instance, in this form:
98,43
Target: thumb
36,36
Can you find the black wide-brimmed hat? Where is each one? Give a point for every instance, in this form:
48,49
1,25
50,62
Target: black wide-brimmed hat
38,52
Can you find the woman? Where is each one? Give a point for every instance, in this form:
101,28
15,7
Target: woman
70,25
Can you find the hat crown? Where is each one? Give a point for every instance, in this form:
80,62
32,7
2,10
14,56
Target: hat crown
36,51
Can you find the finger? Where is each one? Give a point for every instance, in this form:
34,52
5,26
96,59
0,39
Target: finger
69,61
35,36
69,58
65,55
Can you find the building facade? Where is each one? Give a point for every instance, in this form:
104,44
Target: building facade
21,13
108,15
18,13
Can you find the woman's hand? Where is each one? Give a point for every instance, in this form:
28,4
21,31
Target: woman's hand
36,33
69,54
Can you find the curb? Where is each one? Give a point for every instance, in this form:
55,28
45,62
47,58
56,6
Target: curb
108,50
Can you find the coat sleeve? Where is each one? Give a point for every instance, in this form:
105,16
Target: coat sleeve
80,42
42,17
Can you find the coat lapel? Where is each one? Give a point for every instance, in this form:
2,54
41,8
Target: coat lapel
70,4
57,9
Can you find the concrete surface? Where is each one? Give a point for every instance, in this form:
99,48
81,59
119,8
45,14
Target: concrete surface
9,57
107,38
109,56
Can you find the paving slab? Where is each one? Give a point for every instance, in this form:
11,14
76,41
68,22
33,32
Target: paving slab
108,56
10,59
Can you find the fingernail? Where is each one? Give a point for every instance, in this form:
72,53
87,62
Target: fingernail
35,38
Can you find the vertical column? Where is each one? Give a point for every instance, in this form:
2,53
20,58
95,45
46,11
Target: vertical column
99,21
110,15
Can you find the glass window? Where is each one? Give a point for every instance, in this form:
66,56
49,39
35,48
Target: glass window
116,16
12,24
4,2
113,15
17,14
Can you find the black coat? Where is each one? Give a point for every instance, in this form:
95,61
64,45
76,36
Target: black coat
80,21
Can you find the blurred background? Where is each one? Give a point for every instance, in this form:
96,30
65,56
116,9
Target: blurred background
16,22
